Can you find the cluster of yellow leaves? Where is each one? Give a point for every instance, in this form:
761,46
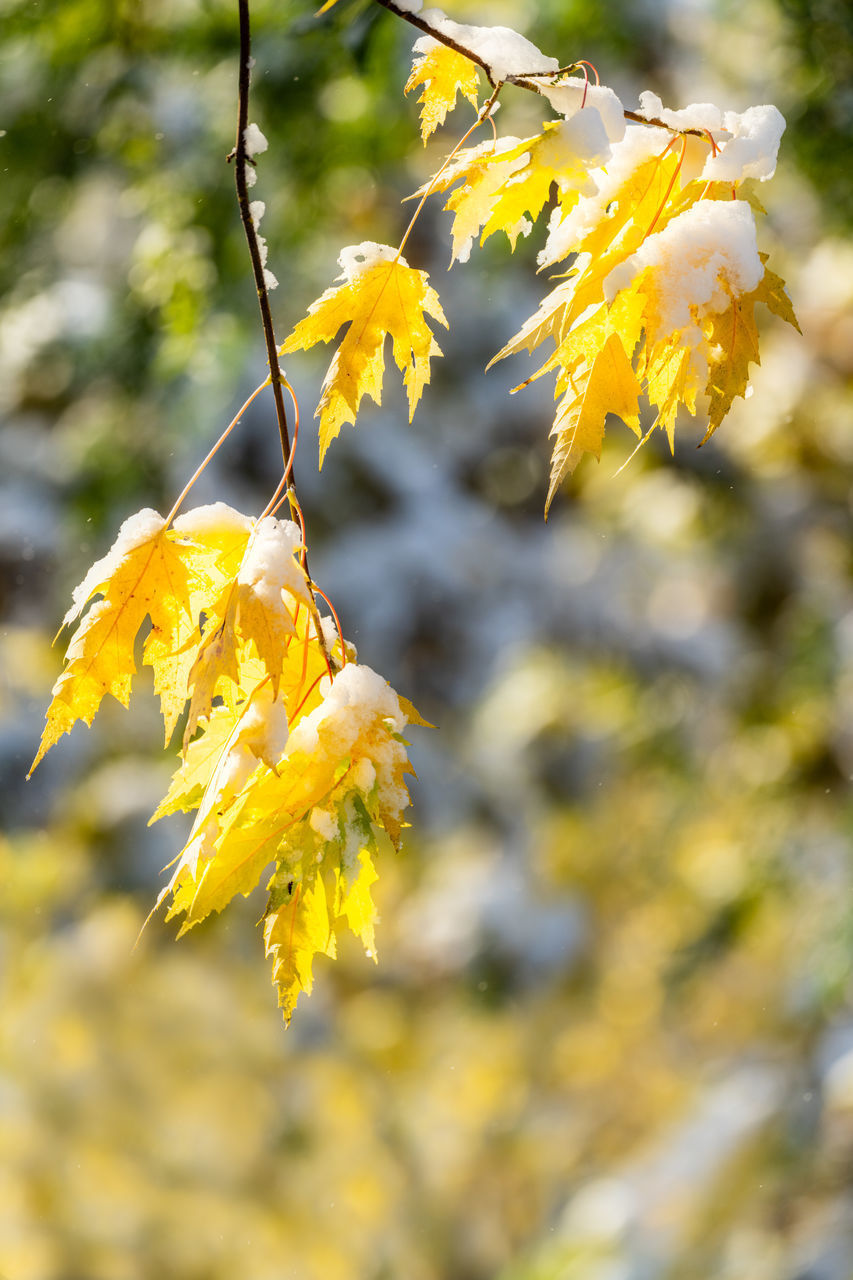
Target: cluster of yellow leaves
616,341
619,333
292,757
380,295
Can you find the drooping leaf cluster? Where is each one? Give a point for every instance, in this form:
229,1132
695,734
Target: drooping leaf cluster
652,234
293,756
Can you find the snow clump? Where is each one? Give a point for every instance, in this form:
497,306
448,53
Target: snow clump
354,259
748,142
360,712
751,150
574,98
213,519
270,565
254,141
701,259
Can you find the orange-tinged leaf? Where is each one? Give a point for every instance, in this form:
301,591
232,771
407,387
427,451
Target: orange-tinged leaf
771,291
380,295
732,338
444,73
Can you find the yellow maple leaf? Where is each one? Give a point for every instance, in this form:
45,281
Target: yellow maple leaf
354,901
296,928
482,172
214,538
605,385
380,295
144,574
671,381
205,880
444,73
732,338
198,764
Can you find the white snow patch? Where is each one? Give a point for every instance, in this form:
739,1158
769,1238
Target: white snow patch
701,259
581,138
699,115
254,141
409,6
504,51
257,209
324,822
566,98
216,518
358,697
143,526
270,565
363,774
748,141
355,259
270,280
360,711
751,150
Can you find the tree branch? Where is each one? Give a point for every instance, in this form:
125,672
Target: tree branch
239,155
417,21
522,81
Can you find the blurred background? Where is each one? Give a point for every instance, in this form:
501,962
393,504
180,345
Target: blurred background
610,1035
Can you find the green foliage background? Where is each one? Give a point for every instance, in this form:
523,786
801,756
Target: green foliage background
610,1036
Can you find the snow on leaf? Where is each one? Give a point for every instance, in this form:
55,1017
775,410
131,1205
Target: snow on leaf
444,74
505,52
666,275
380,295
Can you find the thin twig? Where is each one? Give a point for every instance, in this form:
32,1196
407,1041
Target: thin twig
417,21
239,156
200,468
485,113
